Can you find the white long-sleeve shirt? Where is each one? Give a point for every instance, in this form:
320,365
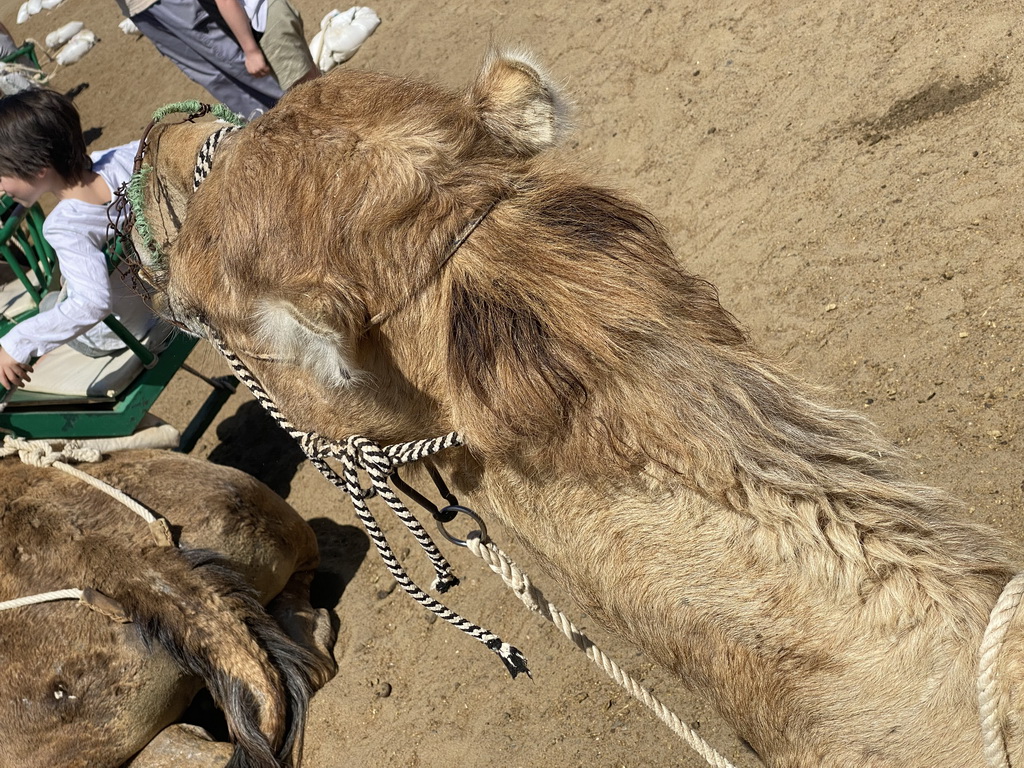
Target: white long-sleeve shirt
256,10
78,233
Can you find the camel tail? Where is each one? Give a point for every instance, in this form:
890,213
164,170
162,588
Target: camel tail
211,622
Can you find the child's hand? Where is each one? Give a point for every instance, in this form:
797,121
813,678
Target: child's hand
256,63
12,373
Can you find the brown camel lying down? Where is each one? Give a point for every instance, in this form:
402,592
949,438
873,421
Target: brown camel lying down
693,497
81,689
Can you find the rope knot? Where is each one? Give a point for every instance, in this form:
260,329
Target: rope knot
317,446
13,445
36,454
380,464
74,450
39,453
367,455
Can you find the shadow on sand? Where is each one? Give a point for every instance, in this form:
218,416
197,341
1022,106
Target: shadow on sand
250,440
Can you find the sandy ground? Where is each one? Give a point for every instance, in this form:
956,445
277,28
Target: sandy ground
850,178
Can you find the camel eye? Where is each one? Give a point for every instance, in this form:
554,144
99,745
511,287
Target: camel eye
61,694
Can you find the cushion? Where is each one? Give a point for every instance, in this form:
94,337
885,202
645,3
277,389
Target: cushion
14,299
69,373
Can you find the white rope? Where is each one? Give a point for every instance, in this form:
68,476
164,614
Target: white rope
992,738
45,597
90,598
32,73
39,453
532,597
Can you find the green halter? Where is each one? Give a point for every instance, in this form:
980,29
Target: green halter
134,191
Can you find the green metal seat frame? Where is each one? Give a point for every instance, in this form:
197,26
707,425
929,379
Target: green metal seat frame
28,49
41,416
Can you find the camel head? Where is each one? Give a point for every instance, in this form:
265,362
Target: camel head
395,259
330,210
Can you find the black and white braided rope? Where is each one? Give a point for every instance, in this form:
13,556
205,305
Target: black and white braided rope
367,455
204,159
379,463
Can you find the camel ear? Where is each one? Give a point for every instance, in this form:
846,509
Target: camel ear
295,337
518,104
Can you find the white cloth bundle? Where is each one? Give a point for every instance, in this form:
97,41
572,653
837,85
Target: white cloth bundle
62,35
32,7
341,34
76,48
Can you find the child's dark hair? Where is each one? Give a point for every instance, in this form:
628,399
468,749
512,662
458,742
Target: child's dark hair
40,128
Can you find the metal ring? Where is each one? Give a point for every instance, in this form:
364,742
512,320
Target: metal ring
469,513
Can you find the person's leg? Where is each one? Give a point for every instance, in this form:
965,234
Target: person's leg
184,32
284,45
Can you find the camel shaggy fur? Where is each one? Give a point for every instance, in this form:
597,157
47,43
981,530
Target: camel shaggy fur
90,688
394,259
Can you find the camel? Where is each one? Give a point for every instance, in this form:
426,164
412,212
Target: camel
91,688
398,260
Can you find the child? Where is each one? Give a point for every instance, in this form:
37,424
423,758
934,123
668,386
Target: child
272,37
193,35
42,151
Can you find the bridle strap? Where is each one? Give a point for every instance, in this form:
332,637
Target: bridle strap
470,228
204,158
